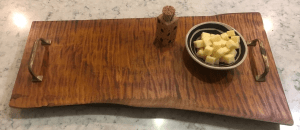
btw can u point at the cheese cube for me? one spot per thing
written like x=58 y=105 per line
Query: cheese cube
x=215 y=38
x=231 y=33
x=207 y=41
x=211 y=35
x=223 y=43
x=199 y=43
x=225 y=36
x=204 y=34
x=216 y=46
x=233 y=52
x=237 y=45
x=201 y=54
x=221 y=52
x=208 y=50
x=229 y=58
x=235 y=39
x=217 y=61
x=210 y=60
x=231 y=45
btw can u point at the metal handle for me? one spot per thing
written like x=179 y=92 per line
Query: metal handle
x=36 y=78
x=262 y=77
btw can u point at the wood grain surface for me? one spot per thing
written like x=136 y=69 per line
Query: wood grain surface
x=115 y=61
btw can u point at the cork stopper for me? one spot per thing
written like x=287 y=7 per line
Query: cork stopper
x=168 y=13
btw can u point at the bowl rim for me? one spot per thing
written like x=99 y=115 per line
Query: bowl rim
x=216 y=67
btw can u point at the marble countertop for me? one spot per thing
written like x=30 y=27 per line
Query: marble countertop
x=281 y=21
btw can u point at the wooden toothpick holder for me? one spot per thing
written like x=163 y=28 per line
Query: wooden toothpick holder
x=166 y=27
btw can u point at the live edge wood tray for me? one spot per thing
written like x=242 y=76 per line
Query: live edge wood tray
x=115 y=61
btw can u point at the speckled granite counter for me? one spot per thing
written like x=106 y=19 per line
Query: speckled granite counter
x=281 y=19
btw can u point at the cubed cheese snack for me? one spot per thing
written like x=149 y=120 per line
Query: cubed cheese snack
x=231 y=33
x=208 y=50
x=210 y=60
x=200 y=53
x=221 y=52
x=211 y=35
x=207 y=41
x=230 y=44
x=233 y=52
x=229 y=58
x=204 y=35
x=216 y=49
x=237 y=45
x=216 y=46
x=225 y=36
x=215 y=38
x=235 y=39
x=223 y=43
x=199 y=43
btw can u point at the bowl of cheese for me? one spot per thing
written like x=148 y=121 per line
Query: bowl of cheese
x=216 y=45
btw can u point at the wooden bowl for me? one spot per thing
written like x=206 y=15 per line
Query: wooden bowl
x=214 y=28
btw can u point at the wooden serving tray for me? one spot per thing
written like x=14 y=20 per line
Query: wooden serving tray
x=115 y=61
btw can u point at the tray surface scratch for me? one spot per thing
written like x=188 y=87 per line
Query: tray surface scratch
x=115 y=61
